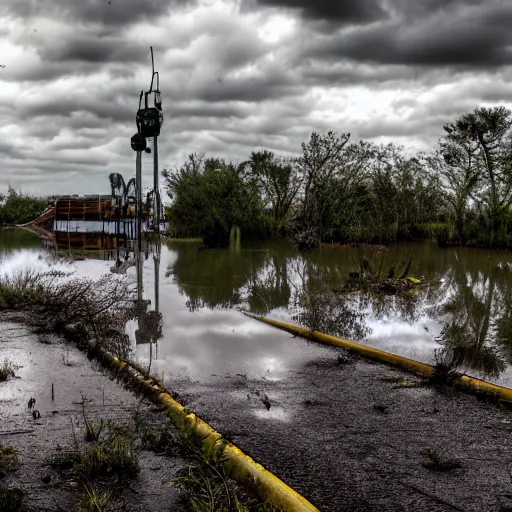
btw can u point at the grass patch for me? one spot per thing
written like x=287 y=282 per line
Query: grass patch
x=159 y=440
x=206 y=483
x=94 y=501
x=7 y=369
x=92 y=430
x=8 y=460
x=12 y=500
x=116 y=456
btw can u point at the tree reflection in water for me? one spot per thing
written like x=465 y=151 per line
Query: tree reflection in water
x=476 y=313
x=468 y=290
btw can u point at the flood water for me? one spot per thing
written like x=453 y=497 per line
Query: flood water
x=464 y=303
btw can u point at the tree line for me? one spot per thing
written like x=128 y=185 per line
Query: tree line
x=341 y=191
x=18 y=208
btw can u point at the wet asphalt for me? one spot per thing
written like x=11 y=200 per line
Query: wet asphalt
x=346 y=435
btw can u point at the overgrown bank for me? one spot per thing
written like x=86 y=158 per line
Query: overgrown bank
x=340 y=191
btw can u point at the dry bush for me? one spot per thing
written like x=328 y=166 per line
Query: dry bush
x=89 y=312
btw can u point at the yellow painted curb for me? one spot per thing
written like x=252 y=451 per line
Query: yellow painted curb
x=239 y=466
x=466 y=382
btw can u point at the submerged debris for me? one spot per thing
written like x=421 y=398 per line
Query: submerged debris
x=396 y=281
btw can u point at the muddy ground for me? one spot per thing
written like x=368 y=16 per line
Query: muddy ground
x=351 y=435
x=37 y=441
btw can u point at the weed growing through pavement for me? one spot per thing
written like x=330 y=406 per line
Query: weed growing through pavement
x=7 y=369
x=94 y=501
x=92 y=430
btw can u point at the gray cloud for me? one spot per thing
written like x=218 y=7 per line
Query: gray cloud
x=90 y=48
x=104 y=12
x=236 y=75
x=349 y=11
x=455 y=35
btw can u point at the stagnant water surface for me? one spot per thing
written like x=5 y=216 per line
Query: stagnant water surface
x=464 y=303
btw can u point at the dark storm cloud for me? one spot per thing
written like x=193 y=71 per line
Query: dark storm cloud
x=248 y=90
x=335 y=11
x=66 y=106
x=203 y=109
x=105 y=12
x=88 y=48
x=430 y=34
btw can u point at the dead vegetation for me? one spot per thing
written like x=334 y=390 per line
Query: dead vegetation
x=394 y=280
x=7 y=370
x=88 y=312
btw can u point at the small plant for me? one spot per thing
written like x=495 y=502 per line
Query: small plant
x=12 y=500
x=94 y=501
x=8 y=460
x=446 y=368
x=115 y=456
x=7 y=369
x=92 y=431
x=158 y=441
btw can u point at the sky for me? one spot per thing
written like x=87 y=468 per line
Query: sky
x=236 y=76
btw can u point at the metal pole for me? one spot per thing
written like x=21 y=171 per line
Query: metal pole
x=155 y=183
x=156 y=259
x=140 y=288
x=138 y=185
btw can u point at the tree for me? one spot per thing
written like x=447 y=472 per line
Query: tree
x=456 y=162
x=480 y=144
x=185 y=187
x=210 y=197
x=18 y=208
x=322 y=156
x=279 y=183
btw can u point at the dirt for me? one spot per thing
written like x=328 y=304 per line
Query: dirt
x=347 y=433
x=50 y=363
x=353 y=437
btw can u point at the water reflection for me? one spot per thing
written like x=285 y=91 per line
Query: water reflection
x=124 y=253
x=186 y=320
x=464 y=308
x=477 y=310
